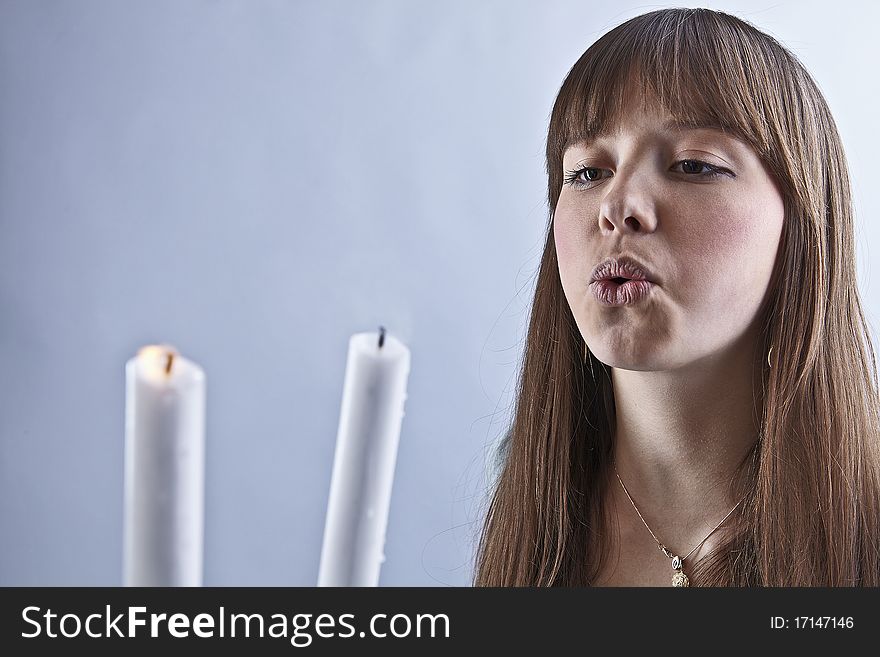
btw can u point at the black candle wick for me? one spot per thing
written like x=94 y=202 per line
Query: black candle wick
x=381 y=336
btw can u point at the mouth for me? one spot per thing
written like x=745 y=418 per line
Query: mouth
x=621 y=281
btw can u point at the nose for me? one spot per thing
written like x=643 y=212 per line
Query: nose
x=628 y=206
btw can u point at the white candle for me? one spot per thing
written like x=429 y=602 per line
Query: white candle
x=164 y=469
x=373 y=397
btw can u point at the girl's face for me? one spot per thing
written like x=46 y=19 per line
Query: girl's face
x=697 y=209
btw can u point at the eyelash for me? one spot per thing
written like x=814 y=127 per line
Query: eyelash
x=571 y=177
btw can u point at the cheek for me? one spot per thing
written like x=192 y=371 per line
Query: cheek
x=570 y=254
x=568 y=234
x=735 y=247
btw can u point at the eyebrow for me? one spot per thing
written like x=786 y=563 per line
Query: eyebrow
x=668 y=126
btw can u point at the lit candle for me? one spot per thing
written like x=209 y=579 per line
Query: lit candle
x=373 y=397
x=164 y=469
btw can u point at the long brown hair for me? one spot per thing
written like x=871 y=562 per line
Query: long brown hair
x=811 y=516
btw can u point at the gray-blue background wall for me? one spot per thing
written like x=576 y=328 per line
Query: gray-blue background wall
x=255 y=181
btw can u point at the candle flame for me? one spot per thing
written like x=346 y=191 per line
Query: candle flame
x=159 y=358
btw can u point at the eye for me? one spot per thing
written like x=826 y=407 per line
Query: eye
x=587 y=177
x=700 y=169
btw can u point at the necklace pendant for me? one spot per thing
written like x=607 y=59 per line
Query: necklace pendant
x=679 y=579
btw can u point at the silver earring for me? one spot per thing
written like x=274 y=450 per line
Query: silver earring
x=768 y=358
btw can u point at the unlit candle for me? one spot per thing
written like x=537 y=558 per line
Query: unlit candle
x=370 y=420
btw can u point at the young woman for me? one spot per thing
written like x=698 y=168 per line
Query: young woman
x=698 y=401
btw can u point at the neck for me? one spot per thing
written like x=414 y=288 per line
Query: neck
x=681 y=436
